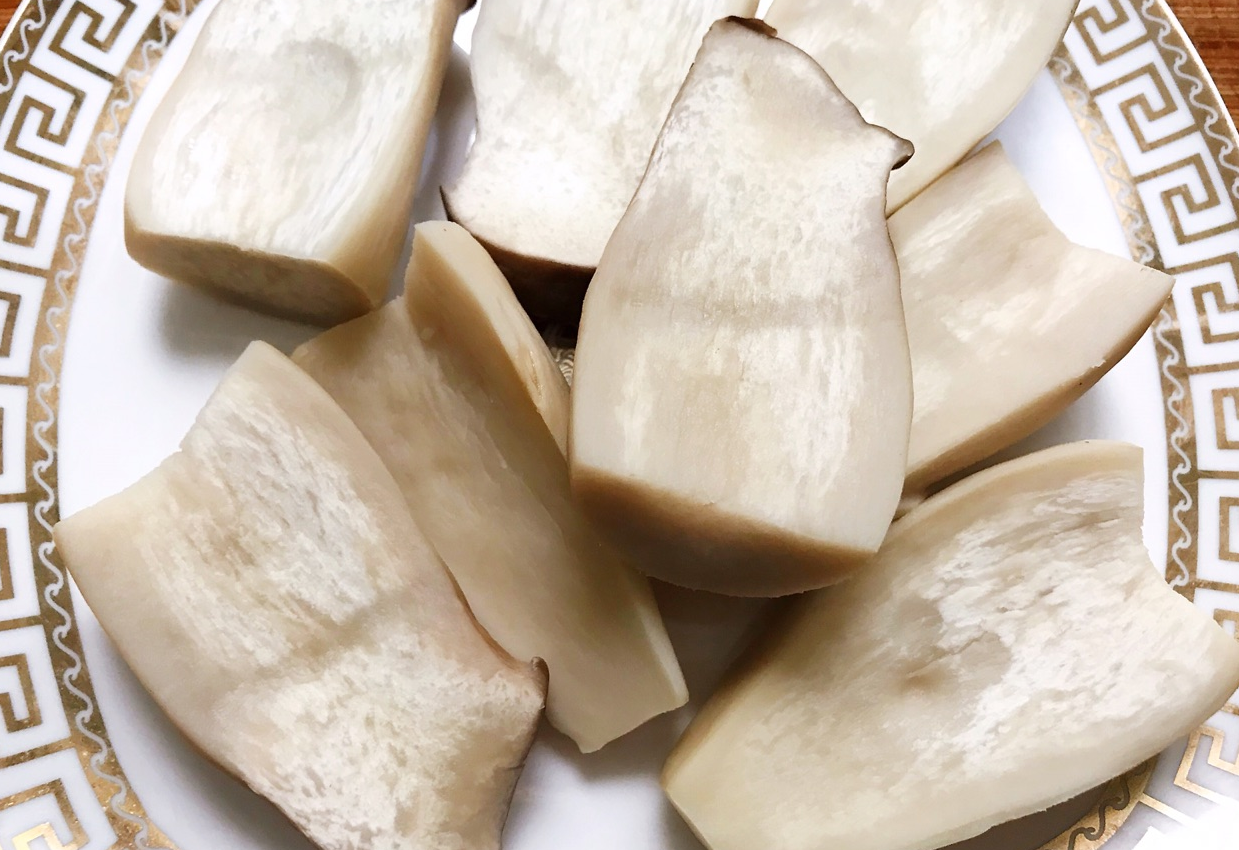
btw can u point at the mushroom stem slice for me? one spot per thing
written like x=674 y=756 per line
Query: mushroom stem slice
x=1009 y=648
x=335 y=669
x=454 y=387
x=280 y=168
x=570 y=97
x=940 y=73
x=1008 y=320
x=742 y=393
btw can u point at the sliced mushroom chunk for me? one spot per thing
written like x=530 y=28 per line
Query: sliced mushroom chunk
x=940 y=73
x=280 y=168
x=453 y=387
x=570 y=96
x=269 y=588
x=1008 y=320
x=742 y=391
x=1009 y=648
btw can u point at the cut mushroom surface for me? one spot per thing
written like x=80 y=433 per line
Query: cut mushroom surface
x=1009 y=648
x=742 y=391
x=280 y=168
x=571 y=96
x=269 y=588
x=442 y=385
x=1008 y=320
x=940 y=73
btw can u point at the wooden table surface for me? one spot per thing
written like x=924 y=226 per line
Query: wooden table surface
x=1214 y=28
x=1212 y=24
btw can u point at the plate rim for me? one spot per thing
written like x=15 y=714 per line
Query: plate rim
x=103 y=38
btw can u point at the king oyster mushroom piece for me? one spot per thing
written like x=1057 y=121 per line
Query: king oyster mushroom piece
x=1008 y=320
x=742 y=394
x=453 y=386
x=940 y=73
x=269 y=588
x=280 y=168
x=1009 y=648
x=570 y=98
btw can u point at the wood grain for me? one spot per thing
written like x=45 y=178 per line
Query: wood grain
x=1212 y=24
x=1214 y=28
x=7 y=8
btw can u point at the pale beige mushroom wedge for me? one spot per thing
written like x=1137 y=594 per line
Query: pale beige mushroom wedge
x=940 y=73
x=452 y=386
x=570 y=98
x=1008 y=320
x=280 y=168
x=742 y=391
x=269 y=588
x=1011 y=647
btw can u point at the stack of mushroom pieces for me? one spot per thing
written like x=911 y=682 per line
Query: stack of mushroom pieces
x=801 y=307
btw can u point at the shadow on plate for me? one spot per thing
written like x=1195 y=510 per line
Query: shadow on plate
x=1034 y=831
x=450 y=136
x=196 y=325
x=639 y=753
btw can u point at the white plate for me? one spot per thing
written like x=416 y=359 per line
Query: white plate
x=1124 y=140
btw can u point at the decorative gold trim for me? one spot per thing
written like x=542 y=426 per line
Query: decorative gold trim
x=1184 y=208
x=12 y=723
x=46 y=832
x=1213 y=758
x=1174 y=73
x=1118 y=799
x=33 y=27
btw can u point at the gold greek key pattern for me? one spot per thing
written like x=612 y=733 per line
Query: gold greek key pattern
x=48 y=801
x=70 y=73
x=28 y=693
x=1167 y=150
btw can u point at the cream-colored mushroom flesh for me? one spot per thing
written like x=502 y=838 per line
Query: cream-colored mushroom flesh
x=280 y=168
x=742 y=393
x=432 y=380
x=940 y=73
x=269 y=588
x=1010 y=647
x=570 y=98
x=1008 y=320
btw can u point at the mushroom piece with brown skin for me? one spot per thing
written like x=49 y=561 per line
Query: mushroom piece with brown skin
x=269 y=588
x=279 y=169
x=742 y=391
x=1009 y=648
x=570 y=98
